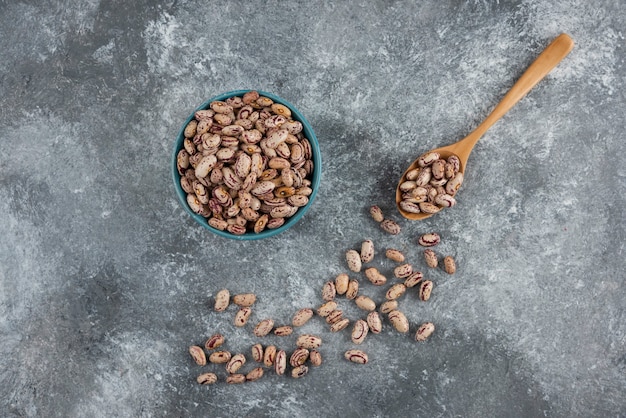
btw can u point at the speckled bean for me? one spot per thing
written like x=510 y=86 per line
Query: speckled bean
x=395 y=255
x=280 y=362
x=431 y=258
x=302 y=317
x=255 y=374
x=283 y=331
x=309 y=341
x=399 y=321
x=207 y=378
x=300 y=371
x=197 y=353
x=257 y=352
x=359 y=331
x=353 y=289
x=340 y=325
x=425 y=289
x=377 y=213
x=328 y=291
x=367 y=251
x=353 y=258
x=356 y=356
x=214 y=341
x=415 y=278
x=241 y=317
x=269 y=356
x=264 y=327
x=449 y=264
x=235 y=363
x=222 y=300
x=388 y=306
x=424 y=331
x=220 y=357
x=244 y=299
x=366 y=303
x=326 y=308
x=429 y=240
x=375 y=276
x=427 y=158
x=341 y=283
x=315 y=358
x=395 y=291
x=403 y=271
x=299 y=356
x=390 y=226
x=374 y=322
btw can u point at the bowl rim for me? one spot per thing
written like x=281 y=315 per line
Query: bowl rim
x=315 y=181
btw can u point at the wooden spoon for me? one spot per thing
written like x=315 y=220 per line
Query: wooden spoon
x=545 y=62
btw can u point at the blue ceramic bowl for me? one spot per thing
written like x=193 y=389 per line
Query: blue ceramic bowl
x=315 y=178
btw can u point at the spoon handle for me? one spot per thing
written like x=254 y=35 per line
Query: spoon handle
x=545 y=62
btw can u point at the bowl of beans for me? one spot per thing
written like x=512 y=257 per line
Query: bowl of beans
x=246 y=165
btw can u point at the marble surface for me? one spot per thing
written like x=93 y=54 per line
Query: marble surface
x=105 y=280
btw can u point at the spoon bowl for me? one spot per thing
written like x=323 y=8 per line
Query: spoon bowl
x=545 y=62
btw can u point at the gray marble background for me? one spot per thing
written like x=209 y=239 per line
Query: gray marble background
x=105 y=280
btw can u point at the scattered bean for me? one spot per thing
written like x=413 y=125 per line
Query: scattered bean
x=431 y=258
x=283 y=331
x=375 y=276
x=214 y=341
x=264 y=327
x=222 y=300
x=280 y=363
x=340 y=325
x=302 y=317
x=341 y=283
x=425 y=288
x=449 y=264
x=388 y=306
x=367 y=251
x=197 y=353
x=353 y=259
x=365 y=303
x=244 y=299
x=308 y=341
x=429 y=240
x=220 y=357
x=257 y=353
x=394 y=255
x=399 y=321
x=334 y=316
x=356 y=356
x=374 y=322
x=300 y=371
x=395 y=291
x=235 y=363
x=424 y=331
x=207 y=378
x=299 y=357
x=329 y=291
x=255 y=374
x=326 y=308
x=403 y=271
x=353 y=289
x=415 y=278
x=390 y=226
x=236 y=378
x=359 y=332
x=269 y=355
x=377 y=213
x=315 y=358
